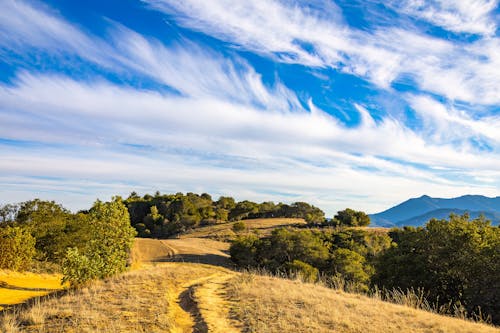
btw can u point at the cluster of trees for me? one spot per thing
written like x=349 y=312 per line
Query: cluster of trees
x=349 y=253
x=85 y=246
x=165 y=215
x=456 y=262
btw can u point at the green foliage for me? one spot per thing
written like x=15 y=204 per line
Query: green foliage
x=346 y=253
x=244 y=249
x=351 y=218
x=46 y=221
x=17 y=248
x=352 y=267
x=239 y=226
x=78 y=268
x=303 y=271
x=107 y=251
x=164 y=215
x=453 y=260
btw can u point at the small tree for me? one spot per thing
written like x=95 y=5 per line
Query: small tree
x=17 y=248
x=107 y=252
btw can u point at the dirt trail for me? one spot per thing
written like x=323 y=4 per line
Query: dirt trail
x=202 y=300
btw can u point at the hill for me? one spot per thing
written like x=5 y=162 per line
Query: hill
x=417 y=211
x=193 y=297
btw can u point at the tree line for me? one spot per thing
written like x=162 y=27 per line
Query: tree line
x=84 y=246
x=164 y=215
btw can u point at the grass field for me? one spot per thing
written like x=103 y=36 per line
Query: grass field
x=18 y=287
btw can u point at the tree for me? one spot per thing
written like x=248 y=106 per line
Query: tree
x=351 y=218
x=50 y=224
x=108 y=250
x=455 y=260
x=352 y=267
x=17 y=248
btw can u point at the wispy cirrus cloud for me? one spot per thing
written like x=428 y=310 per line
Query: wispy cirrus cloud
x=466 y=16
x=295 y=34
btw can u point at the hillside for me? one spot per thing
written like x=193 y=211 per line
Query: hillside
x=294 y=306
x=163 y=296
x=417 y=211
x=224 y=231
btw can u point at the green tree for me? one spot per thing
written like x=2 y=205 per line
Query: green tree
x=455 y=260
x=352 y=267
x=351 y=218
x=17 y=248
x=50 y=224
x=107 y=252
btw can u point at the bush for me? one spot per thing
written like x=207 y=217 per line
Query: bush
x=239 y=226
x=17 y=248
x=303 y=271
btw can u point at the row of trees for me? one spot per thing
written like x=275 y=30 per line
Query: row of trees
x=456 y=262
x=86 y=245
x=165 y=215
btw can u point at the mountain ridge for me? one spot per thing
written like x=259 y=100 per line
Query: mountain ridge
x=417 y=211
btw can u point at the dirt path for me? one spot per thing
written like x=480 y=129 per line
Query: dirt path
x=200 y=305
x=204 y=299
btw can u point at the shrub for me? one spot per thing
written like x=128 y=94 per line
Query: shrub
x=303 y=271
x=239 y=226
x=17 y=248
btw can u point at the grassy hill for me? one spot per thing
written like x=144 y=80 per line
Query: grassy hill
x=224 y=231
x=159 y=296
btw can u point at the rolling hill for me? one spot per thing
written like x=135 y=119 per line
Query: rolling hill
x=417 y=211
x=193 y=296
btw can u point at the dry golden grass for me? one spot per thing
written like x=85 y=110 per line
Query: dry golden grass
x=144 y=300
x=268 y=304
x=150 y=250
x=224 y=232
x=17 y=287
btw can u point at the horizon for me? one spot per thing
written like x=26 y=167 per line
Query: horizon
x=336 y=103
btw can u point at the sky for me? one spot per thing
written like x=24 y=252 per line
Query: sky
x=345 y=103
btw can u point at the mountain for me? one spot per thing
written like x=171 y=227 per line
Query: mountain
x=418 y=211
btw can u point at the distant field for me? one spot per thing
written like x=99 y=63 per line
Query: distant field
x=18 y=287
x=224 y=231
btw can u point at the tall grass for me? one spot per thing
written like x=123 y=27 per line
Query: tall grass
x=415 y=298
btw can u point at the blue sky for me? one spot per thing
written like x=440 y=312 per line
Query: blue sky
x=358 y=104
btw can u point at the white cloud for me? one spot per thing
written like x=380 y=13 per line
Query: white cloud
x=469 y=16
x=227 y=131
x=467 y=72
x=306 y=154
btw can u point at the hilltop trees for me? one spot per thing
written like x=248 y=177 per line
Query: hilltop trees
x=165 y=215
x=351 y=218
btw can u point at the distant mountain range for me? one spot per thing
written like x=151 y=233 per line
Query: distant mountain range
x=417 y=211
